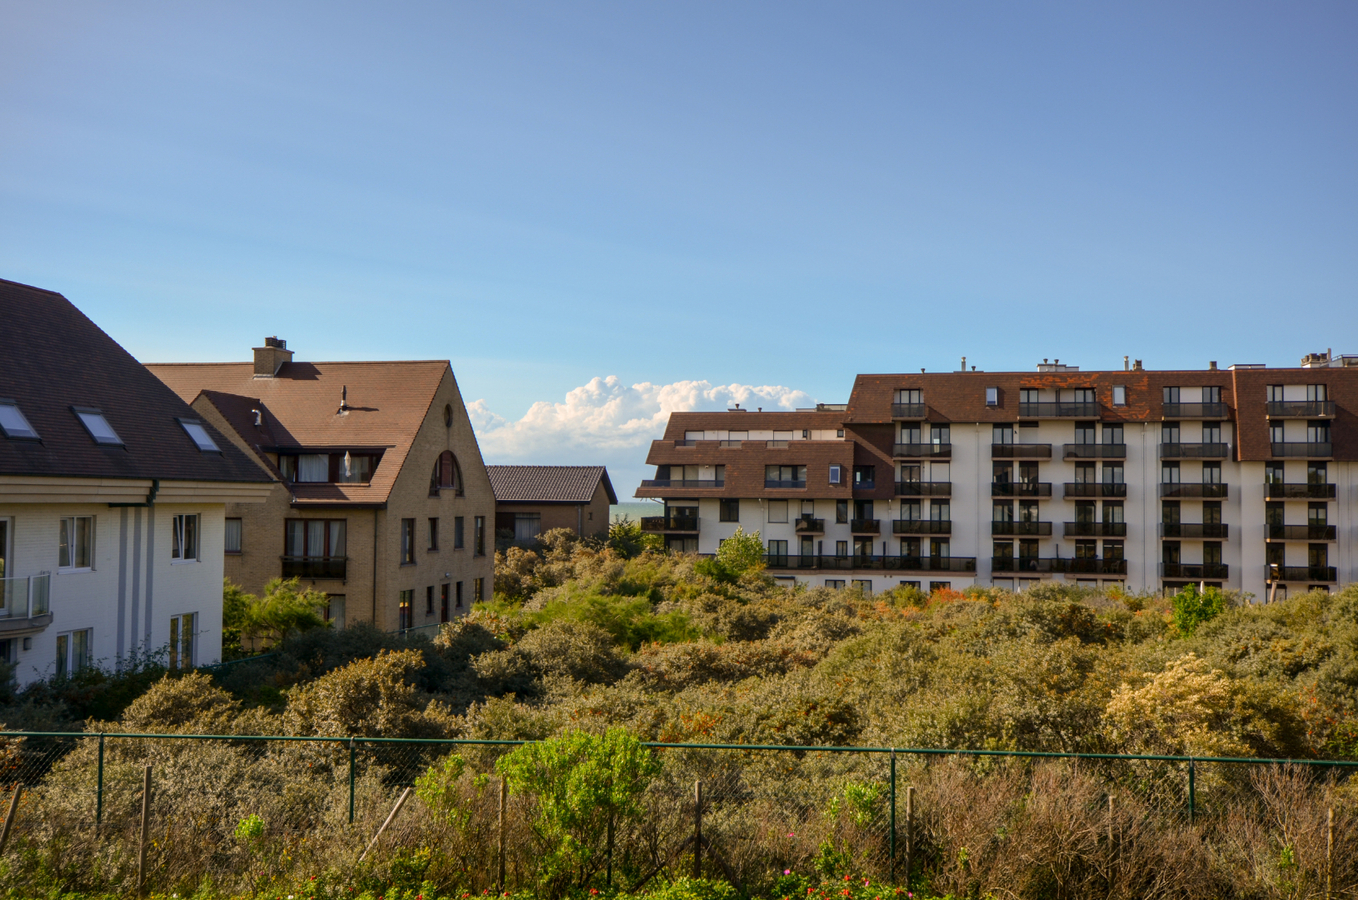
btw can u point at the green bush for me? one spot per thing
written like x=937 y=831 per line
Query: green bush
x=1192 y=608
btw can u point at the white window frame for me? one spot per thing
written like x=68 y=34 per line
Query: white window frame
x=19 y=428
x=183 y=641
x=1119 y=395
x=179 y=531
x=73 y=529
x=836 y=474
x=98 y=426
x=198 y=434
x=992 y=396
x=67 y=661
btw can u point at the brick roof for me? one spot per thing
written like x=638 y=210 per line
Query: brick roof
x=548 y=484
x=53 y=358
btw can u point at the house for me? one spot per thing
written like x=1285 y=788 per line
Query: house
x=532 y=499
x=379 y=498
x=1244 y=478
x=113 y=497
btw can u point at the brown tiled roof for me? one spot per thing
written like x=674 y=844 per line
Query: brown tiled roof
x=52 y=357
x=387 y=402
x=548 y=484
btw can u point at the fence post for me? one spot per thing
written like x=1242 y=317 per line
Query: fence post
x=99 y=788
x=893 y=816
x=9 y=819
x=1329 y=855
x=351 y=781
x=145 y=824
x=500 y=850
x=909 y=832
x=698 y=829
x=1112 y=845
x=1192 y=801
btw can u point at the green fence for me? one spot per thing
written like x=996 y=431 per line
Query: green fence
x=250 y=812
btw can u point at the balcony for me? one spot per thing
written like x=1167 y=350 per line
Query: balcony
x=1299 y=491
x=810 y=526
x=1095 y=529
x=1299 y=533
x=730 y=445
x=866 y=485
x=1194 y=451
x=924 y=489
x=1033 y=529
x=1194 y=410
x=1195 y=530
x=1058 y=409
x=670 y=524
x=918 y=451
x=1096 y=451
x=25 y=604
x=776 y=483
x=1301 y=409
x=1302 y=449
x=1021 y=451
x=1187 y=491
x=907 y=410
x=865 y=526
x=1055 y=565
x=888 y=563
x=315 y=566
x=1313 y=574
x=696 y=483
x=921 y=526
x=1214 y=571
x=1094 y=489
x=1020 y=489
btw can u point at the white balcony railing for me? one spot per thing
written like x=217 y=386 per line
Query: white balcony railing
x=25 y=597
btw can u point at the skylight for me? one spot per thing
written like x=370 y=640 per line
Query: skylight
x=97 y=426
x=200 y=436
x=13 y=423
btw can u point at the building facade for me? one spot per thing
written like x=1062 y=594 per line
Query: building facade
x=532 y=499
x=1244 y=478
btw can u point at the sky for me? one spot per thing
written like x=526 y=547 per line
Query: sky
x=601 y=213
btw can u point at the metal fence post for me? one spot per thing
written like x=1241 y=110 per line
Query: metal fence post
x=893 y=815
x=351 y=781
x=500 y=830
x=99 y=788
x=697 y=829
x=1192 y=800
x=909 y=832
x=145 y=826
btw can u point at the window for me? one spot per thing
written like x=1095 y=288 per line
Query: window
x=307 y=468
x=447 y=475
x=1317 y=432
x=13 y=423
x=1112 y=434
x=76 y=543
x=1169 y=473
x=841 y=511
x=1211 y=512
x=1002 y=550
x=479 y=535
x=527 y=526
x=777 y=510
x=1273 y=513
x=834 y=583
x=1003 y=472
x=936 y=586
x=1169 y=512
x=1002 y=511
x=355 y=469
x=198 y=434
x=940 y=511
x=1002 y=434
x=909 y=510
x=1211 y=553
x=407 y=541
x=429 y=600
x=778 y=551
x=940 y=434
x=73 y=651
x=1317 y=514
x=1275 y=393
x=405 y=610
x=233 y=536
x=97 y=426
x=1315 y=393
x=1119 y=395
x=992 y=396
x=1084 y=473
x=457 y=533
x=1084 y=432
x=1113 y=473
x=314 y=538
x=864 y=585
x=433 y=533
x=1316 y=473
x=181 y=641
x=1276 y=433
x=184 y=539
x=785 y=476
x=839 y=432
x=1273 y=473
x=842 y=549
x=864 y=476
x=1211 y=432
x=478 y=590
x=457 y=594
x=1113 y=551
x=835 y=474
x=1083 y=395
x=443 y=603
x=1112 y=513
x=1171 y=394
x=1211 y=473
x=334 y=610
x=728 y=511
x=1211 y=394
x=1169 y=433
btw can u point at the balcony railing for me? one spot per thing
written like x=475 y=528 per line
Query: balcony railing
x=865 y=485
x=907 y=410
x=810 y=526
x=1195 y=570
x=672 y=523
x=1192 y=491
x=1095 y=529
x=865 y=526
x=1302 y=449
x=1094 y=489
x=924 y=489
x=315 y=566
x=698 y=483
x=1299 y=532
x=1021 y=528
x=730 y=445
x=1194 y=410
x=1021 y=451
x=1062 y=409
x=777 y=483
x=1020 y=489
x=24 y=599
x=1195 y=530
x=1194 y=451
x=1045 y=565
x=1313 y=574
x=1299 y=491
x=913 y=451
x=1096 y=451
x=921 y=526
x=1301 y=409
x=889 y=563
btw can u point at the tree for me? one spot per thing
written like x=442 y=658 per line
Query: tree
x=741 y=552
x=626 y=538
x=1192 y=608
x=285 y=607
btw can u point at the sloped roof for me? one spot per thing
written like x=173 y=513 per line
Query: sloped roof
x=53 y=358
x=548 y=484
x=300 y=410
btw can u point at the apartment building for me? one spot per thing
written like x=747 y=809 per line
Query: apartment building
x=113 y=495
x=379 y=495
x=1245 y=478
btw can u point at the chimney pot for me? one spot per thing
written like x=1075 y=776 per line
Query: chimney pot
x=270 y=358
x=1212 y=365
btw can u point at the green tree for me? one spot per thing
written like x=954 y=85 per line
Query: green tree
x=741 y=552
x=236 y=604
x=626 y=538
x=1192 y=608
x=286 y=607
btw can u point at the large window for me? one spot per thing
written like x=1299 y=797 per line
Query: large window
x=322 y=468
x=181 y=641
x=74 y=651
x=447 y=475
x=184 y=539
x=315 y=538
x=233 y=536
x=527 y=526
x=728 y=511
x=76 y=543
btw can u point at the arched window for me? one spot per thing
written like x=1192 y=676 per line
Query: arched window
x=447 y=475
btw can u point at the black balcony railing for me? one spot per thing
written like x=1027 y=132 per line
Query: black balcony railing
x=1299 y=491
x=1096 y=451
x=1020 y=489
x=683 y=483
x=1313 y=574
x=1044 y=565
x=924 y=489
x=865 y=485
x=865 y=526
x=861 y=562
x=1195 y=530
x=315 y=566
x=777 y=483
x=1193 y=491
x=810 y=526
x=1095 y=529
x=1194 y=410
x=1021 y=528
x=1302 y=449
x=921 y=526
x=907 y=410
x=671 y=523
x=1194 y=451
x=913 y=451
x=1021 y=451
x=1063 y=409
x=1299 y=532
x=1300 y=409
x=1195 y=570
x=1095 y=489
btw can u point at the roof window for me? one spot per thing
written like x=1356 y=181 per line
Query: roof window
x=195 y=430
x=97 y=426
x=13 y=423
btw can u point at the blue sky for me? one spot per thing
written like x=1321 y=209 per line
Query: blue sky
x=722 y=195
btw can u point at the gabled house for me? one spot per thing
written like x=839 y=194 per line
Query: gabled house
x=532 y=499
x=113 y=494
x=380 y=498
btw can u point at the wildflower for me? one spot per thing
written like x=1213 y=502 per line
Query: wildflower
x=787 y=871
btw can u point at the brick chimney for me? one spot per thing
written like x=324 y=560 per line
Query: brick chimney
x=270 y=358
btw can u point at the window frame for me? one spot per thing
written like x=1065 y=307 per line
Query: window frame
x=28 y=434
x=226 y=536
x=86 y=414
x=183 y=527
x=479 y=535
x=459 y=532
x=72 y=554
x=66 y=663
x=189 y=425
x=182 y=643
x=433 y=534
x=407 y=542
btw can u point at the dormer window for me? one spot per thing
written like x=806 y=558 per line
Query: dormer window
x=198 y=433
x=97 y=426
x=349 y=467
x=13 y=423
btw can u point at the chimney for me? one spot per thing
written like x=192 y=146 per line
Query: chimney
x=1212 y=366
x=1126 y=364
x=1136 y=365
x=270 y=358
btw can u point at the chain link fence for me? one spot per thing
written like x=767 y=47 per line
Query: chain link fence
x=251 y=814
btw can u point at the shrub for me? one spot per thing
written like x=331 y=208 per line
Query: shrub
x=1192 y=608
